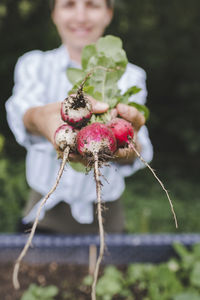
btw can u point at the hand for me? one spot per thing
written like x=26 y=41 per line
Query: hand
x=126 y=156
x=131 y=114
x=43 y=120
x=97 y=106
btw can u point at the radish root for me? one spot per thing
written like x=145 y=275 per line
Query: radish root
x=100 y=220
x=30 y=238
x=133 y=146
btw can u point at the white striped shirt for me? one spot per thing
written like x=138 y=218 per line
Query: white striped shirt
x=40 y=78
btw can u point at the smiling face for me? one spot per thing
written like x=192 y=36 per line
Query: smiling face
x=80 y=22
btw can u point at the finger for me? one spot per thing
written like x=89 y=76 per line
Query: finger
x=125 y=154
x=113 y=113
x=97 y=106
x=131 y=114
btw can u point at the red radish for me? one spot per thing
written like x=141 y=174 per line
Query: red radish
x=96 y=138
x=65 y=136
x=76 y=110
x=122 y=130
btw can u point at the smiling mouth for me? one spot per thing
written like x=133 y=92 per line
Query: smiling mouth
x=81 y=31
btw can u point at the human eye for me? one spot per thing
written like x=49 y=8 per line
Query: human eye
x=68 y=3
x=94 y=3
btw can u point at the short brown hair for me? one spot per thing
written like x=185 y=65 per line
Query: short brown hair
x=109 y=3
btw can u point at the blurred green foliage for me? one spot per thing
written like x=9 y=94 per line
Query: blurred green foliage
x=163 y=38
x=36 y=292
x=13 y=192
x=177 y=279
x=147 y=208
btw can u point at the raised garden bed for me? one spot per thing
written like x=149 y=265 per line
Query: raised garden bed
x=63 y=260
x=121 y=249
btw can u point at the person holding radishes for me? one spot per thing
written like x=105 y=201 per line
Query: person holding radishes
x=33 y=113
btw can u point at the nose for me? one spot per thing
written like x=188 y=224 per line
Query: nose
x=81 y=12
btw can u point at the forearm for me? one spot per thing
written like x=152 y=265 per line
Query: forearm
x=43 y=120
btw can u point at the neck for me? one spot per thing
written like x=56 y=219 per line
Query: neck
x=74 y=54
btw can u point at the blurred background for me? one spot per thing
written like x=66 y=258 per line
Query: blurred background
x=163 y=38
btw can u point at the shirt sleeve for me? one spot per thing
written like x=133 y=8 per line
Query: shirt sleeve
x=28 y=92
x=137 y=76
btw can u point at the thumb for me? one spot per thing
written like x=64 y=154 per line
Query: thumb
x=131 y=114
x=97 y=106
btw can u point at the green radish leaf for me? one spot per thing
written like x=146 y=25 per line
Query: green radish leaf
x=123 y=99
x=88 y=52
x=142 y=108
x=75 y=75
x=132 y=91
x=105 y=83
x=92 y=63
x=79 y=167
x=97 y=96
x=106 y=62
x=109 y=45
x=88 y=89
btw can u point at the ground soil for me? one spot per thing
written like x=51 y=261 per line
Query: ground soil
x=67 y=278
